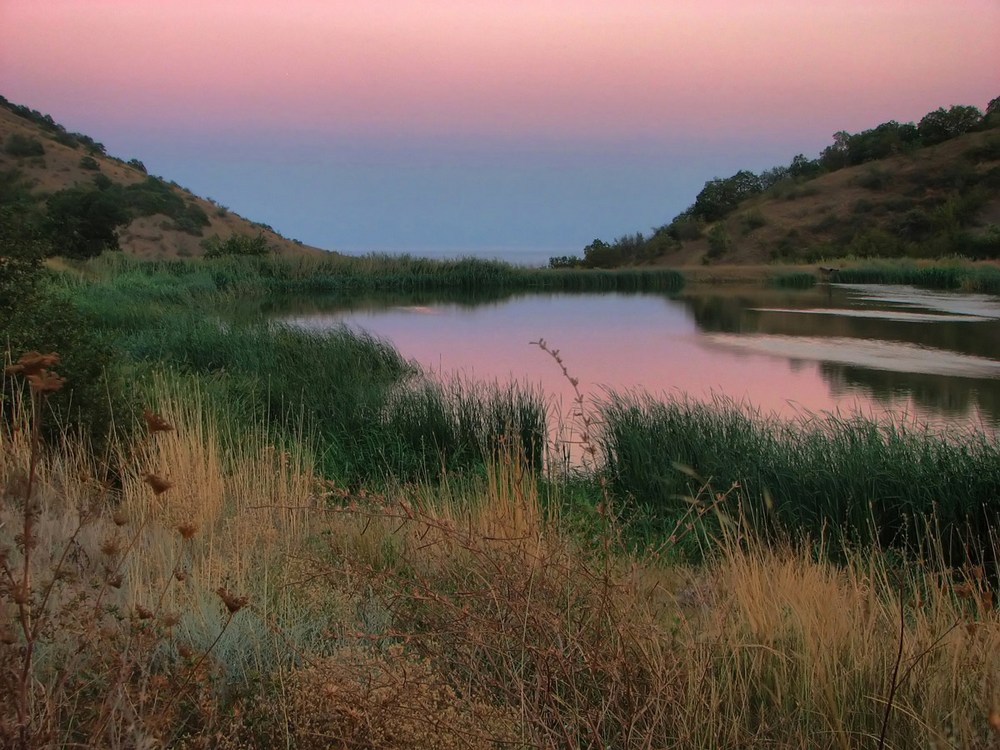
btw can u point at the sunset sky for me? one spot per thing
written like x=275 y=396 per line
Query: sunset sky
x=524 y=127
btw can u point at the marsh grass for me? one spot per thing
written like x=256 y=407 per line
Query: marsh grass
x=345 y=274
x=971 y=278
x=793 y=280
x=865 y=479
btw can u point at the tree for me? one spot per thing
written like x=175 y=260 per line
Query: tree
x=720 y=196
x=599 y=254
x=803 y=167
x=992 y=116
x=83 y=223
x=944 y=124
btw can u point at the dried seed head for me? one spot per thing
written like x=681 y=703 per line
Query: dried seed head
x=159 y=484
x=111 y=546
x=7 y=635
x=169 y=619
x=119 y=518
x=964 y=590
x=142 y=612
x=187 y=530
x=155 y=423
x=233 y=603
x=115 y=580
x=181 y=575
x=45 y=381
x=31 y=363
x=185 y=650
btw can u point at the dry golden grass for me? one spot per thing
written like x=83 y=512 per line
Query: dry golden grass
x=259 y=606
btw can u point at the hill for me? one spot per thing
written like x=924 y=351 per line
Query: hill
x=39 y=158
x=926 y=190
x=933 y=202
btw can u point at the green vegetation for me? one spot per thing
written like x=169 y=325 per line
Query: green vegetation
x=970 y=278
x=236 y=244
x=793 y=280
x=23 y=145
x=848 y=478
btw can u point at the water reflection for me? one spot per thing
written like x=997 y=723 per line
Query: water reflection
x=873 y=349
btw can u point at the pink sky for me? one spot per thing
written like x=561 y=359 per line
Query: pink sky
x=522 y=66
x=677 y=91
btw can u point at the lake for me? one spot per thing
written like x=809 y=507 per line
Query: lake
x=922 y=355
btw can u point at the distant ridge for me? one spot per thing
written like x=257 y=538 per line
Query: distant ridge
x=39 y=157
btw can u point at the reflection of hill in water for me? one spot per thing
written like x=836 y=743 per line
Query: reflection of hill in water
x=957 y=398
x=736 y=314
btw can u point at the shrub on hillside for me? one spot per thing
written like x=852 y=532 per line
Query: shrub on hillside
x=83 y=222
x=236 y=244
x=719 y=242
x=23 y=145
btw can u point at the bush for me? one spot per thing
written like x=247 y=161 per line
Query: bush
x=236 y=244
x=873 y=179
x=191 y=219
x=718 y=242
x=44 y=320
x=23 y=145
x=565 y=261
x=89 y=162
x=753 y=219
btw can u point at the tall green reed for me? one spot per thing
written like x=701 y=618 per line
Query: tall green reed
x=861 y=478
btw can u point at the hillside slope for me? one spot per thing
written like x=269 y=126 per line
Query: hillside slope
x=936 y=201
x=44 y=160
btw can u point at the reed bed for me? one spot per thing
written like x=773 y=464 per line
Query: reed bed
x=793 y=280
x=260 y=605
x=971 y=278
x=866 y=479
x=345 y=274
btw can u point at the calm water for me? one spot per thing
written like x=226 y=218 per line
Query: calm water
x=931 y=356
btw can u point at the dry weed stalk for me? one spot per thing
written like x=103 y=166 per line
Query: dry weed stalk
x=100 y=673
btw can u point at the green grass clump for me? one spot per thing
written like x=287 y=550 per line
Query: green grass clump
x=868 y=480
x=793 y=280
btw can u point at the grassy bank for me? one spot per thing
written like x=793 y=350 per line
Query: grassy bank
x=225 y=593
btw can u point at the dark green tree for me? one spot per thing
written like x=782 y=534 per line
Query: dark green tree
x=720 y=196
x=83 y=223
x=944 y=124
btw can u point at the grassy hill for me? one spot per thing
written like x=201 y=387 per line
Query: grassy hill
x=38 y=158
x=928 y=190
x=935 y=201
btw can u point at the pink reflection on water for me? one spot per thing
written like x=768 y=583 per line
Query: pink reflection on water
x=618 y=342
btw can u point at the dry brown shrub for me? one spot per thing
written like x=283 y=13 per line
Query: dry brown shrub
x=388 y=700
x=508 y=606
